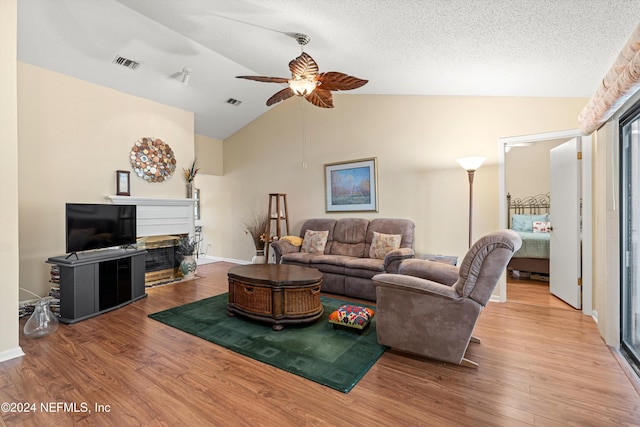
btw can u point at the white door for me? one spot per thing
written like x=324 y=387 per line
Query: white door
x=565 y=260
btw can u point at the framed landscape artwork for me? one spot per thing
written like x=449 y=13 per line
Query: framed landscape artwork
x=352 y=186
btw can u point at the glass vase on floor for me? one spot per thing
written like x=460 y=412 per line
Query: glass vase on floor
x=42 y=322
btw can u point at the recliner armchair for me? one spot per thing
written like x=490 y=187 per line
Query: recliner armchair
x=430 y=309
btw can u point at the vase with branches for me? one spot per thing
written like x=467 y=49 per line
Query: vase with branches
x=189 y=175
x=257 y=227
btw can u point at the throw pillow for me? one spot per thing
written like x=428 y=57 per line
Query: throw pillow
x=314 y=242
x=294 y=240
x=520 y=222
x=541 y=226
x=382 y=244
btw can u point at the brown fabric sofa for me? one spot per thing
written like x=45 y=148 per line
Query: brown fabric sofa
x=345 y=264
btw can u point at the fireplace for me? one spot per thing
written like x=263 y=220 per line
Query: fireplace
x=160 y=224
x=161 y=260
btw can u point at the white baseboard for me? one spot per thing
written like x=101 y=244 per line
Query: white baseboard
x=11 y=354
x=594 y=315
x=210 y=258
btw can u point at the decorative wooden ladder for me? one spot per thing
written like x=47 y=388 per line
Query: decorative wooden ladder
x=279 y=202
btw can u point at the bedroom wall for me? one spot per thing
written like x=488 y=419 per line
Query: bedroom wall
x=73 y=136
x=527 y=169
x=416 y=140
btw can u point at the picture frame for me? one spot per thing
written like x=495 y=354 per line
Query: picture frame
x=352 y=186
x=123 y=183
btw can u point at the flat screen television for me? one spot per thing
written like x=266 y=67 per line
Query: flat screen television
x=98 y=226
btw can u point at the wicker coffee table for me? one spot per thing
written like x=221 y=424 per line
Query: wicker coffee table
x=275 y=293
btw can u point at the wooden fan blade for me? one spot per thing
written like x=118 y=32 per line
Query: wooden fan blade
x=320 y=98
x=339 y=81
x=265 y=79
x=304 y=66
x=280 y=96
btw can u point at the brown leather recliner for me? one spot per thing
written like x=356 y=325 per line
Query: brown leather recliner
x=430 y=309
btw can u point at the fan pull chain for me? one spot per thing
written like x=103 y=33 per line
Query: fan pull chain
x=304 y=135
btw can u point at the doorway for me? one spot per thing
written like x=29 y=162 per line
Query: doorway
x=524 y=289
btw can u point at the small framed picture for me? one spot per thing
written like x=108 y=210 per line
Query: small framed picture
x=352 y=186
x=122 y=183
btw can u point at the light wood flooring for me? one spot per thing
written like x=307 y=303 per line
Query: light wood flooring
x=539 y=366
x=533 y=292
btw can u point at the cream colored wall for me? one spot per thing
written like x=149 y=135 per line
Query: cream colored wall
x=73 y=136
x=209 y=155
x=527 y=169
x=9 y=239
x=212 y=195
x=416 y=140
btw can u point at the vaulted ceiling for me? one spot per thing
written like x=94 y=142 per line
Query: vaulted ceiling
x=547 y=48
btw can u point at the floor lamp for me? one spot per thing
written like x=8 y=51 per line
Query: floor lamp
x=471 y=164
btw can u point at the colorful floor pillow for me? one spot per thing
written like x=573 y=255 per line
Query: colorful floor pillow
x=353 y=316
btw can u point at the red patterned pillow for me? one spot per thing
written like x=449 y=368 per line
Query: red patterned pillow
x=353 y=316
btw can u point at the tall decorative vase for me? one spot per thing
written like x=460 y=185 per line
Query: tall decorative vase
x=42 y=322
x=188 y=267
x=189 y=190
x=258 y=258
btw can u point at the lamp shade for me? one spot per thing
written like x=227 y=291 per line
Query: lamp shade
x=471 y=163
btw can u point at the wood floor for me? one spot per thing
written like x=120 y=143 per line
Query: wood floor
x=533 y=292
x=539 y=366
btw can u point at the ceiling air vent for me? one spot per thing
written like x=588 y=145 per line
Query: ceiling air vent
x=233 y=102
x=129 y=63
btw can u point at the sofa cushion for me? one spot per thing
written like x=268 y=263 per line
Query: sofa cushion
x=364 y=267
x=329 y=263
x=300 y=258
x=404 y=227
x=349 y=237
x=382 y=244
x=314 y=241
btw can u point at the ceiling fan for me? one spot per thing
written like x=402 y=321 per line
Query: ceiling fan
x=307 y=81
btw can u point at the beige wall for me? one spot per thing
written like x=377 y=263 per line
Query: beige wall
x=606 y=237
x=73 y=136
x=416 y=140
x=9 y=240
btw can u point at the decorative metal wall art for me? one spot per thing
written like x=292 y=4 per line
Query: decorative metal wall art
x=152 y=159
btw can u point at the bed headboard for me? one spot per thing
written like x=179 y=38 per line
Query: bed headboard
x=530 y=205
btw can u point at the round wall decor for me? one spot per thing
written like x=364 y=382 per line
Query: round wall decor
x=152 y=159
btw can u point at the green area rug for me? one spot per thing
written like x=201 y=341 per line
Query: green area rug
x=335 y=358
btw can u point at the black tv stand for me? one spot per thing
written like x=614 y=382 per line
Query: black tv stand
x=96 y=282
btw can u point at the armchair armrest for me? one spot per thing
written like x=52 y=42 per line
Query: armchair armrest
x=393 y=259
x=430 y=270
x=281 y=247
x=415 y=284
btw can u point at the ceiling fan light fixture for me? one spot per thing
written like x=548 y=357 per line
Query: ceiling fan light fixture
x=302 y=87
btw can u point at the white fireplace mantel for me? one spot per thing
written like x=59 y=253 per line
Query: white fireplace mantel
x=156 y=217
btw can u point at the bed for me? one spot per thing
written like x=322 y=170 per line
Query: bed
x=529 y=217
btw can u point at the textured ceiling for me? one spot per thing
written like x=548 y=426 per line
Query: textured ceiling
x=550 y=48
